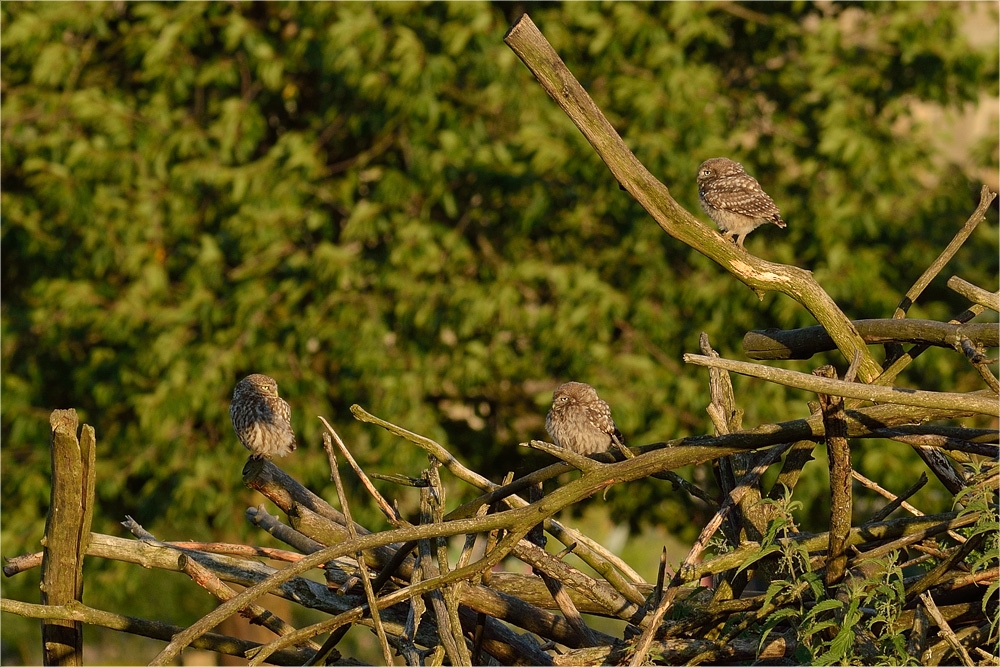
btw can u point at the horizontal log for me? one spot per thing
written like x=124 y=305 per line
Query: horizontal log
x=772 y=344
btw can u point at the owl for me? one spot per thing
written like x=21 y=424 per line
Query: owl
x=734 y=199
x=261 y=418
x=580 y=421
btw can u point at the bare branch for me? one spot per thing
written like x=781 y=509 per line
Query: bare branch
x=986 y=197
x=975 y=294
x=210 y=641
x=945 y=629
x=974 y=402
x=839 y=457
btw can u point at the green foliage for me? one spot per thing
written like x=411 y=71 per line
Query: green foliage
x=376 y=204
x=852 y=624
x=794 y=559
x=862 y=618
x=982 y=497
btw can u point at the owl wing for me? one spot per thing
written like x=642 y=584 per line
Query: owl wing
x=742 y=194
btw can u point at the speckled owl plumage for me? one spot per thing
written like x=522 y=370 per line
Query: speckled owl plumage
x=262 y=419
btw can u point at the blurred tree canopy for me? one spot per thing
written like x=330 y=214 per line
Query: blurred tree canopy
x=377 y=204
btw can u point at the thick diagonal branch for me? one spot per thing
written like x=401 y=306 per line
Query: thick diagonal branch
x=534 y=50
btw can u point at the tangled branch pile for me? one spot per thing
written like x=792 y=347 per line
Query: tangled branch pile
x=920 y=588
x=839 y=596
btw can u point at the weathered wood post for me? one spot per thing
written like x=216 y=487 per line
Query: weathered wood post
x=67 y=531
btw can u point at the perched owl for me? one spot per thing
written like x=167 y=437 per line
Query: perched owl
x=734 y=199
x=580 y=421
x=261 y=418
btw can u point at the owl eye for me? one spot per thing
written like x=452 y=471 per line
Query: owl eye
x=706 y=172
